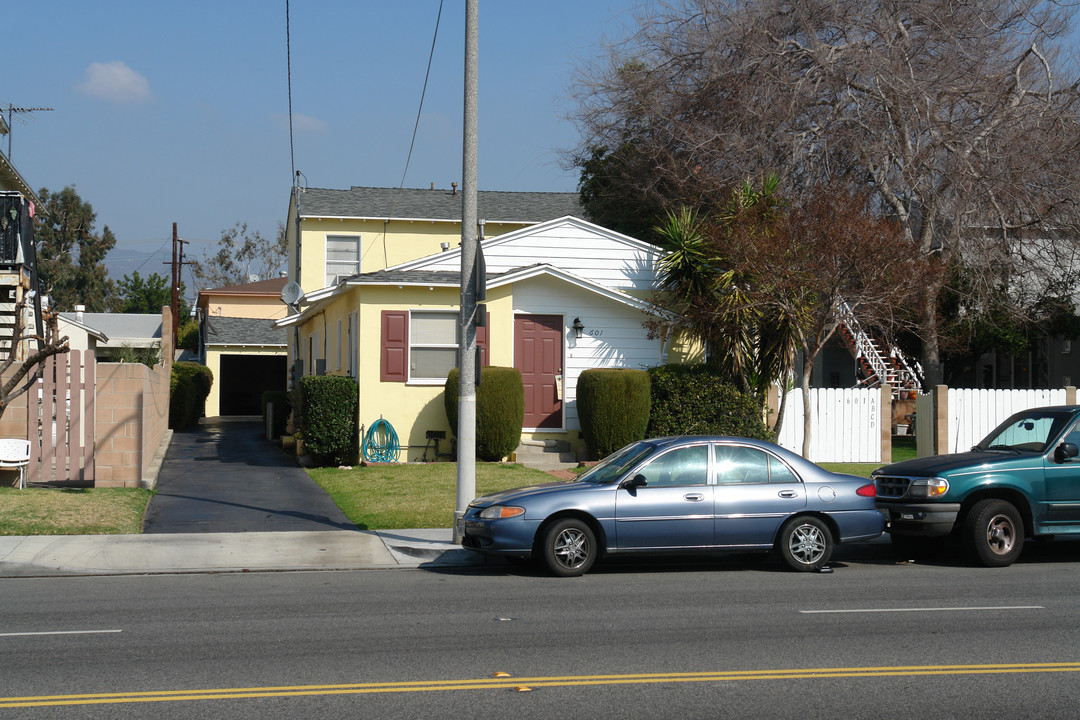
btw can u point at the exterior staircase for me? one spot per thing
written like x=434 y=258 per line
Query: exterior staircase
x=876 y=366
x=545 y=455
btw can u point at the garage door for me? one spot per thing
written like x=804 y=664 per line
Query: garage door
x=244 y=378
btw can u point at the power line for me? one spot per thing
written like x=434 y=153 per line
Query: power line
x=419 y=111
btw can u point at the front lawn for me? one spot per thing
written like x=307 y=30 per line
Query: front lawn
x=72 y=511
x=386 y=497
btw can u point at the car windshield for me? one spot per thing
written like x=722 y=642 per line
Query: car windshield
x=614 y=465
x=1029 y=431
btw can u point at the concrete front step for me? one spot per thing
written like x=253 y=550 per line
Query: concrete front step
x=545 y=454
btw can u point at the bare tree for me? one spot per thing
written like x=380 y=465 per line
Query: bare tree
x=958 y=119
x=28 y=370
x=240 y=255
x=828 y=261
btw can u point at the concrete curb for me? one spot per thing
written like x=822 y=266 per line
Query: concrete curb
x=65 y=555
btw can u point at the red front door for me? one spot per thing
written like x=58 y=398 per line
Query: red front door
x=538 y=354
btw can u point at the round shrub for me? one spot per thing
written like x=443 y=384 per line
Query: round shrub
x=613 y=406
x=500 y=410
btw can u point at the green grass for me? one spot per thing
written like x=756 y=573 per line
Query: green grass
x=72 y=511
x=385 y=497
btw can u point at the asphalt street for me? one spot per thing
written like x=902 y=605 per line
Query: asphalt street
x=731 y=637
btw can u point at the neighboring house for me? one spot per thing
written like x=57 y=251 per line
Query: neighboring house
x=363 y=229
x=394 y=329
x=240 y=344
x=80 y=335
x=115 y=337
x=18 y=203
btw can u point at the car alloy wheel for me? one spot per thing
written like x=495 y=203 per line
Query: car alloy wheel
x=805 y=544
x=569 y=547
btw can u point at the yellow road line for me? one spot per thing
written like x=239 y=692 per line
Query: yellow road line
x=513 y=683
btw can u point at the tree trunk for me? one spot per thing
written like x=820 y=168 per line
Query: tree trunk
x=804 y=382
x=933 y=372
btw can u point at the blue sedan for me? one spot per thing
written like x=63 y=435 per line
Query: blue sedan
x=679 y=495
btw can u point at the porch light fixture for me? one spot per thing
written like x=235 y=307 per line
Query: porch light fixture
x=579 y=328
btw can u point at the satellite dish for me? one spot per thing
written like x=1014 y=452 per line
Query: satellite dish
x=291 y=294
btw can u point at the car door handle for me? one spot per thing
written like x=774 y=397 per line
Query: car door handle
x=693 y=497
x=788 y=494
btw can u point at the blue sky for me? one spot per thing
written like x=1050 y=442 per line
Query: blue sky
x=178 y=112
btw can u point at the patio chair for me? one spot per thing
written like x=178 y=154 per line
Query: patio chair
x=15 y=453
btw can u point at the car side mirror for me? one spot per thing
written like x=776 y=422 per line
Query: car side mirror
x=1064 y=451
x=635 y=482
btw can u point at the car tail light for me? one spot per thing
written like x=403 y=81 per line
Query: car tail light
x=866 y=491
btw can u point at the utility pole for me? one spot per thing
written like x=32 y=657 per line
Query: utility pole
x=177 y=270
x=175 y=305
x=467 y=363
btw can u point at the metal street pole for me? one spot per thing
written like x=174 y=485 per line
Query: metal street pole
x=466 y=430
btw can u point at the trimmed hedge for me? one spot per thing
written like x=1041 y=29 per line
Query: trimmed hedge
x=693 y=400
x=500 y=410
x=328 y=419
x=189 y=386
x=613 y=406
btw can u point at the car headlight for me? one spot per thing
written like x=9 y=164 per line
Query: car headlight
x=928 y=487
x=501 y=511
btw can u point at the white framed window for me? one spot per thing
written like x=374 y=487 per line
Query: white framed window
x=433 y=345
x=342 y=257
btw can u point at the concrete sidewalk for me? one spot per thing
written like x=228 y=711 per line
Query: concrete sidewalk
x=65 y=555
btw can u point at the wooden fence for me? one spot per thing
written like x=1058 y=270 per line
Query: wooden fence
x=61 y=423
x=845 y=424
x=952 y=420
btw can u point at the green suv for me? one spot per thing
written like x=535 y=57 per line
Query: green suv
x=1022 y=480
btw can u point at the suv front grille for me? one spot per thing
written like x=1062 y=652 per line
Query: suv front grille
x=890 y=486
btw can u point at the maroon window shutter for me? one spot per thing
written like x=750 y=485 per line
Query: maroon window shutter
x=482 y=342
x=395 y=346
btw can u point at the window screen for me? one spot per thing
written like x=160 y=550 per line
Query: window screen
x=432 y=345
x=342 y=257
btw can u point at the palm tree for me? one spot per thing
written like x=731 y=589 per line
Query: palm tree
x=753 y=344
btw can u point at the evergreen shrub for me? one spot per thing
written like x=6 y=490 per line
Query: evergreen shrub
x=613 y=407
x=328 y=419
x=500 y=410
x=189 y=385
x=693 y=400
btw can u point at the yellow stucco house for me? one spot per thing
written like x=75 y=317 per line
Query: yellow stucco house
x=240 y=344
x=563 y=295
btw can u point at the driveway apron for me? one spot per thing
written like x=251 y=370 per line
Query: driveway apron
x=225 y=476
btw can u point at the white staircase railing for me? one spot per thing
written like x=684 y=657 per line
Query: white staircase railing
x=893 y=370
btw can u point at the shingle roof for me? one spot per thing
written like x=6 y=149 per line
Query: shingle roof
x=438 y=204
x=272 y=286
x=243 y=331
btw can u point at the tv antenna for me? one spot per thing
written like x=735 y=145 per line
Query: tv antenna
x=11 y=110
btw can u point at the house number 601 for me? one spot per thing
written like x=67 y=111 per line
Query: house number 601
x=595 y=333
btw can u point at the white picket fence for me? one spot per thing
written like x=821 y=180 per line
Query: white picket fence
x=972 y=414
x=845 y=424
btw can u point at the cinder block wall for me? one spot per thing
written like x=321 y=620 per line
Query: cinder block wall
x=132 y=418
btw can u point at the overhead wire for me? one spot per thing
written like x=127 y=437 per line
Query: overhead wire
x=416 y=126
